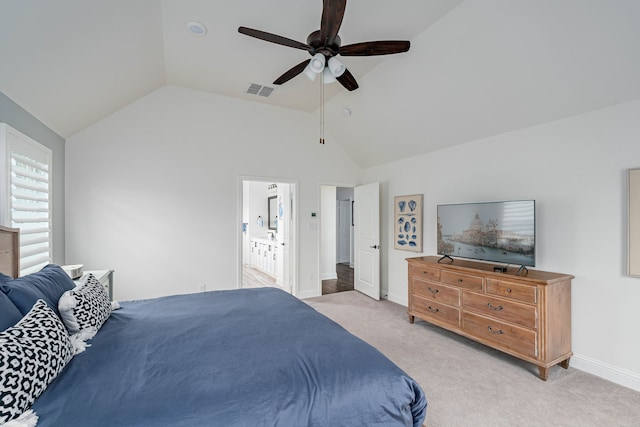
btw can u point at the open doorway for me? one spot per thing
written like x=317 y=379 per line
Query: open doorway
x=268 y=234
x=336 y=240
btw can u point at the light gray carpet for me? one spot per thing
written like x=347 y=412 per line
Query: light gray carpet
x=468 y=384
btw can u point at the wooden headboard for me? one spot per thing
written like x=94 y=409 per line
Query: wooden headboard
x=10 y=251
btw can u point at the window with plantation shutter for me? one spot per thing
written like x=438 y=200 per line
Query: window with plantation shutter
x=26 y=196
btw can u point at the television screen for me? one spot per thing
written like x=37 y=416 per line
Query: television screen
x=493 y=231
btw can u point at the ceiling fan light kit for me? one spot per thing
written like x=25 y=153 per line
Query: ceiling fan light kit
x=325 y=44
x=317 y=63
x=330 y=70
x=327 y=77
x=309 y=73
x=336 y=67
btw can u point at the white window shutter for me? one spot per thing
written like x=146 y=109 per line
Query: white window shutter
x=26 y=196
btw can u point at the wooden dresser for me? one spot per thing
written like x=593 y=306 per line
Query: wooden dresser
x=526 y=316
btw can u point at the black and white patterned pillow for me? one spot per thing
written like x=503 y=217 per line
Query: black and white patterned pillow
x=32 y=354
x=85 y=307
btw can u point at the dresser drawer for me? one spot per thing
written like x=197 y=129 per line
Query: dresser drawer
x=424 y=272
x=515 y=338
x=512 y=290
x=466 y=281
x=510 y=311
x=436 y=311
x=435 y=292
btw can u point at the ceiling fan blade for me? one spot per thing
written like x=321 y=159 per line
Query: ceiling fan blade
x=386 y=47
x=292 y=72
x=348 y=81
x=262 y=35
x=332 y=14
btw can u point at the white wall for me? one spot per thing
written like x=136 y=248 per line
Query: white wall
x=152 y=190
x=575 y=169
x=132 y=205
x=258 y=208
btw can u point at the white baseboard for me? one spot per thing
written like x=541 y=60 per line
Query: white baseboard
x=329 y=276
x=307 y=294
x=608 y=372
x=403 y=299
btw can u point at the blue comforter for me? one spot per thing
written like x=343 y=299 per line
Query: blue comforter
x=251 y=357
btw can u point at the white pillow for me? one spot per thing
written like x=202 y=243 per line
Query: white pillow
x=32 y=354
x=85 y=308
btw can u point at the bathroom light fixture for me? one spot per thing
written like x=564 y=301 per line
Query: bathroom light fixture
x=196 y=28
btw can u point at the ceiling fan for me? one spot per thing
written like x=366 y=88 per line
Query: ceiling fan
x=324 y=45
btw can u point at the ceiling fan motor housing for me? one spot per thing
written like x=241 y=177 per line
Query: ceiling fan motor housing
x=318 y=45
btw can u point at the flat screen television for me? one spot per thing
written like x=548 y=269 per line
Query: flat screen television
x=503 y=232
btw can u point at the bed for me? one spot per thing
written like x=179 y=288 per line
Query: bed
x=247 y=357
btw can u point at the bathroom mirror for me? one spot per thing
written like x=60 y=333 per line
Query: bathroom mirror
x=273 y=212
x=634 y=223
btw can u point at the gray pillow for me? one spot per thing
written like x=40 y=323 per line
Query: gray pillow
x=9 y=313
x=47 y=284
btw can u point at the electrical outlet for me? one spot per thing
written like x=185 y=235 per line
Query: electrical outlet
x=202 y=287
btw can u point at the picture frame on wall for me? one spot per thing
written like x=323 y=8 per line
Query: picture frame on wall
x=407 y=224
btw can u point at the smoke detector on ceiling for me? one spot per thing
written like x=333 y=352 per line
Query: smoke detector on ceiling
x=196 y=28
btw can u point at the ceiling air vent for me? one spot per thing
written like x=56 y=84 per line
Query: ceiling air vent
x=265 y=91
x=256 y=89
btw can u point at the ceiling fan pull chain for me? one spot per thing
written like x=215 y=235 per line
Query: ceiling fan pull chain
x=321 y=109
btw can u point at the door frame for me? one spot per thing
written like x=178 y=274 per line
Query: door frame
x=347 y=204
x=293 y=251
x=319 y=249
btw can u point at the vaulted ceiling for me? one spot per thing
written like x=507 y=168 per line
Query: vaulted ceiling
x=475 y=68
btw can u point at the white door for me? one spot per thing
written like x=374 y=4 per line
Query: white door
x=366 y=212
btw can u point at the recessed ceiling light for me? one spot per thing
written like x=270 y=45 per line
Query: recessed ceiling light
x=196 y=28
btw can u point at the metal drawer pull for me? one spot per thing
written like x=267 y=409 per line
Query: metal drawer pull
x=498 y=308
x=498 y=332
x=509 y=290
x=433 y=291
x=436 y=310
x=459 y=280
